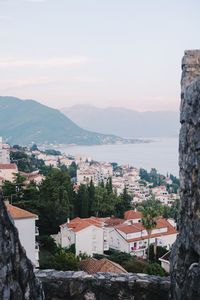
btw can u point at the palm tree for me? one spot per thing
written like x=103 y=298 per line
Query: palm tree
x=149 y=214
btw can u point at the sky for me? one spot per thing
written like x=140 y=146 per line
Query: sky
x=124 y=53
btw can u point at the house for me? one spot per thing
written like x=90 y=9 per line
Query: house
x=8 y=171
x=132 y=216
x=92 y=265
x=25 y=223
x=133 y=238
x=89 y=235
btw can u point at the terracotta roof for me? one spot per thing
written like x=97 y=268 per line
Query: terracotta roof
x=79 y=224
x=8 y=166
x=113 y=221
x=93 y=265
x=138 y=227
x=18 y=213
x=132 y=214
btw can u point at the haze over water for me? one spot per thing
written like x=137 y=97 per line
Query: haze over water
x=161 y=154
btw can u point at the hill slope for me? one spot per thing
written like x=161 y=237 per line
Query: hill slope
x=125 y=122
x=27 y=121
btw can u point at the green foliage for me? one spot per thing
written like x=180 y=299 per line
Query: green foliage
x=123 y=204
x=160 y=251
x=54 y=201
x=72 y=170
x=135 y=265
x=52 y=152
x=34 y=147
x=149 y=214
x=120 y=257
x=62 y=260
x=48 y=243
x=26 y=163
x=155 y=269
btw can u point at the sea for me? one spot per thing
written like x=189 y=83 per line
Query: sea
x=159 y=153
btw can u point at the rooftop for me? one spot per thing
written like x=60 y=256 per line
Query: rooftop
x=93 y=265
x=18 y=213
x=8 y=167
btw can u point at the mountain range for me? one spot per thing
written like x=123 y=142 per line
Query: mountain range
x=125 y=122
x=27 y=121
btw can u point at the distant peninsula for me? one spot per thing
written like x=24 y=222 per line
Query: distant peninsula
x=28 y=121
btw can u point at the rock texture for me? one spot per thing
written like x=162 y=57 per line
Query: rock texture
x=17 y=279
x=185 y=258
x=59 y=285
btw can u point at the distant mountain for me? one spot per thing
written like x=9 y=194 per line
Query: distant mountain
x=27 y=121
x=125 y=122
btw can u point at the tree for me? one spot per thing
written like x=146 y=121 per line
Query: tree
x=123 y=204
x=72 y=170
x=109 y=186
x=155 y=269
x=34 y=147
x=82 y=202
x=149 y=215
x=91 y=195
x=55 y=201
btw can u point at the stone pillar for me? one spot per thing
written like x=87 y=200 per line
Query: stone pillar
x=17 y=279
x=185 y=257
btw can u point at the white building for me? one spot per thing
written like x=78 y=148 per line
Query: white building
x=8 y=171
x=88 y=235
x=25 y=223
x=133 y=238
x=4 y=153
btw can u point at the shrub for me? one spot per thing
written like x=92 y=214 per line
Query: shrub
x=64 y=261
x=155 y=269
x=135 y=265
x=48 y=243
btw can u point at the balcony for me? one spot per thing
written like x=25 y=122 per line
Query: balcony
x=143 y=247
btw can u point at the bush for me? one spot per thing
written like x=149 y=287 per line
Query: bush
x=48 y=243
x=135 y=266
x=120 y=257
x=160 y=251
x=64 y=261
x=155 y=269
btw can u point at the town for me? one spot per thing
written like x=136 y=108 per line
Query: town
x=91 y=231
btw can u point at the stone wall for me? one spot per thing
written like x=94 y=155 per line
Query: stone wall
x=17 y=279
x=59 y=285
x=185 y=258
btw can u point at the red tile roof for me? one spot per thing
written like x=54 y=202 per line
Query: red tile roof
x=132 y=214
x=8 y=166
x=18 y=213
x=138 y=227
x=93 y=265
x=79 y=224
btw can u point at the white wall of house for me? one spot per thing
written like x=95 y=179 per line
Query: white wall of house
x=67 y=237
x=117 y=241
x=26 y=229
x=165 y=265
x=90 y=240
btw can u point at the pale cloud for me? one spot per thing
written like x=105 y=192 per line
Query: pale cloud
x=50 y=62
x=19 y=83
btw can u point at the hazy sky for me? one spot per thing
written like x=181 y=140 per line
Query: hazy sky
x=101 y=52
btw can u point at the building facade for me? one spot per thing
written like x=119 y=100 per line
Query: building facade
x=25 y=223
